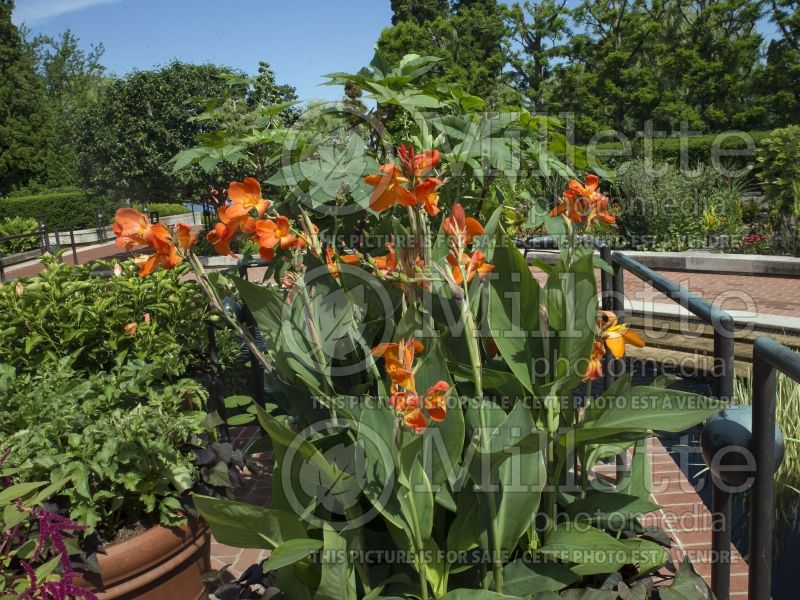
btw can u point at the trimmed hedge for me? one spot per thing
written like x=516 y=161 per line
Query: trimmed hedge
x=167 y=209
x=699 y=149
x=58 y=210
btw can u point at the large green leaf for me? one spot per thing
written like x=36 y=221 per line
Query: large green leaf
x=463 y=532
x=247 y=526
x=523 y=578
x=290 y=552
x=642 y=408
x=466 y=594
x=648 y=555
x=571 y=293
x=514 y=310
x=687 y=585
x=416 y=500
x=338 y=577
x=585 y=545
x=608 y=507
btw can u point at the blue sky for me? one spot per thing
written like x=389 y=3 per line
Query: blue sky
x=301 y=39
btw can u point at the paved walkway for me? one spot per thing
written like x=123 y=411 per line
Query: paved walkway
x=778 y=296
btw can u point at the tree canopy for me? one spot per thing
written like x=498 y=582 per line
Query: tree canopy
x=138 y=124
x=24 y=120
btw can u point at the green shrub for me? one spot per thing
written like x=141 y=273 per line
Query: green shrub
x=120 y=437
x=167 y=209
x=699 y=150
x=663 y=208
x=18 y=226
x=779 y=167
x=71 y=313
x=59 y=210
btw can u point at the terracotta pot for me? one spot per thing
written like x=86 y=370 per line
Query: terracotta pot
x=161 y=563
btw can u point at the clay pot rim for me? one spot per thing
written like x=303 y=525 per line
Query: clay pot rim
x=143 y=552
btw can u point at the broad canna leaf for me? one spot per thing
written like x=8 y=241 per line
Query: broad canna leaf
x=338 y=578
x=643 y=408
x=513 y=315
x=290 y=552
x=523 y=578
x=246 y=525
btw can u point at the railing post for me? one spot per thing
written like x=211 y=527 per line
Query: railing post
x=720 y=540
x=217 y=403
x=256 y=372
x=74 y=246
x=44 y=237
x=614 y=367
x=723 y=358
x=761 y=494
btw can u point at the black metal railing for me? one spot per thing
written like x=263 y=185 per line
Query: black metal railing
x=613 y=298
x=48 y=242
x=769 y=357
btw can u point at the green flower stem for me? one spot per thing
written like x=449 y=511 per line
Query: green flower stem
x=471 y=331
x=419 y=546
x=216 y=302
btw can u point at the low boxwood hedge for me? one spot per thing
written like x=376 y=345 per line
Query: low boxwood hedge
x=699 y=149
x=167 y=209
x=58 y=210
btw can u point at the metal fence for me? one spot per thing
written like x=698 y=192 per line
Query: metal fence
x=49 y=241
x=768 y=357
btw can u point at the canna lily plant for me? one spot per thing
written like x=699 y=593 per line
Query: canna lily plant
x=428 y=440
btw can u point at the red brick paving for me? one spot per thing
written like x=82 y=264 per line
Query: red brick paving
x=684 y=516
x=761 y=295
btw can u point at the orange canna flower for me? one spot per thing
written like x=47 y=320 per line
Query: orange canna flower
x=220 y=238
x=408 y=404
x=273 y=234
x=399 y=358
x=401 y=376
x=427 y=196
x=244 y=223
x=130 y=328
x=331 y=260
x=588 y=190
x=418 y=165
x=165 y=253
x=461 y=227
x=600 y=211
x=245 y=196
x=616 y=335
x=388 y=262
x=470 y=265
x=185 y=237
x=435 y=401
x=389 y=189
x=584 y=203
x=394 y=350
x=132 y=228
x=594 y=370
